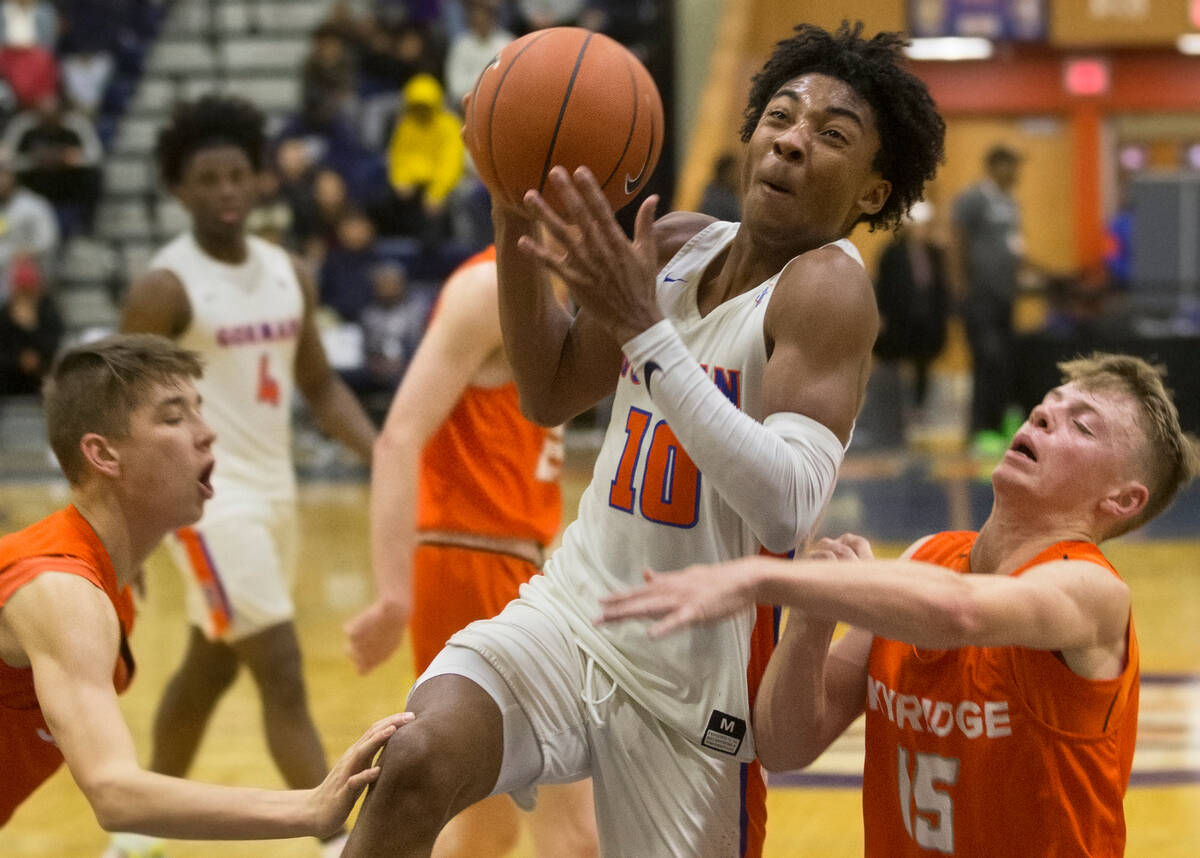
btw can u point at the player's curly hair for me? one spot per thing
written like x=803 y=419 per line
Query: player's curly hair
x=211 y=120
x=911 y=131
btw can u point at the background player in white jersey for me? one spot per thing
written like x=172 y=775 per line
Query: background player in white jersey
x=739 y=368
x=246 y=307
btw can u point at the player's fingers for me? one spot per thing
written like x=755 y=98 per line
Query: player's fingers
x=643 y=224
x=674 y=621
x=554 y=224
x=857 y=544
x=598 y=208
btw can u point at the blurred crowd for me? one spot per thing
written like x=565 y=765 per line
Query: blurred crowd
x=369 y=183
x=67 y=68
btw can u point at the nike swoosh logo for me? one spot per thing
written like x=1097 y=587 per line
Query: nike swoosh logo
x=631 y=182
x=650 y=368
x=45 y=736
x=667 y=278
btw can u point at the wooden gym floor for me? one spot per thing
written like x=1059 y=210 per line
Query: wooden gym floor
x=815 y=813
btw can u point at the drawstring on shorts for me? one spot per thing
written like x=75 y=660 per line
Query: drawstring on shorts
x=588 y=692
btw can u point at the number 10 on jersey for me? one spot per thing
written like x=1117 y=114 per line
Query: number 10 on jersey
x=670 y=489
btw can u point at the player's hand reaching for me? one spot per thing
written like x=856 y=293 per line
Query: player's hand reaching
x=697 y=594
x=332 y=801
x=605 y=272
x=375 y=632
x=848 y=546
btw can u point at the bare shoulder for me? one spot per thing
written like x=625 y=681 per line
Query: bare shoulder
x=157 y=303
x=672 y=231
x=469 y=302
x=828 y=288
x=56 y=609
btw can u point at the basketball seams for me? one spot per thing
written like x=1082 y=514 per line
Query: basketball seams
x=632 y=125
x=491 y=151
x=562 y=111
x=563 y=105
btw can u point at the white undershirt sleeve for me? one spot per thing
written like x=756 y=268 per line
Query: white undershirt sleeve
x=777 y=475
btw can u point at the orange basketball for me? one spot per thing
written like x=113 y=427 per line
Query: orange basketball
x=565 y=96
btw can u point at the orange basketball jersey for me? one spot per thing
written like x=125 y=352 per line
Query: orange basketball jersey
x=995 y=751
x=490 y=471
x=62 y=542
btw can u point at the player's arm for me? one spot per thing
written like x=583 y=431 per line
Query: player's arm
x=562 y=363
x=779 y=473
x=1073 y=606
x=464 y=333
x=156 y=304
x=812 y=690
x=810 y=693
x=68 y=631
x=335 y=409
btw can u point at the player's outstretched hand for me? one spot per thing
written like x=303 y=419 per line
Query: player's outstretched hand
x=333 y=800
x=607 y=273
x=848 y=546
x=697 y=594
x=374 y=634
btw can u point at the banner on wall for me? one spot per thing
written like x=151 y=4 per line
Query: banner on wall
x=1000 y=20
x=1122 y=22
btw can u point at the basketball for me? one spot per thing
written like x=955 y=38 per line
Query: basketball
x=564 y=96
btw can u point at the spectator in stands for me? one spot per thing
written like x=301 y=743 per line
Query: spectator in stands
x=473 y=49
x=89 y=35
x=328 y=77
x=57 y=153
x=27 y=224
x=389 y=57
x=30 y=330
x=720 y=197
x=392 y=325
x=425 y=162
x=331 y=200
x=271 y=217
x=332 y=140
x=538 y=14
x=345 y=278
x=25 y=23
x=296 y=170
x=28 y=32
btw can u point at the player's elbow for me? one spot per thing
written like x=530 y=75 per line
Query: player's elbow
x=778 y=757
x=779 y=528
x=956 y=619
x=543 y=410
x=111 y=802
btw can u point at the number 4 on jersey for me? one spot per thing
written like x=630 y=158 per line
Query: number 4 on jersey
x=670 y=491
x=268 y=387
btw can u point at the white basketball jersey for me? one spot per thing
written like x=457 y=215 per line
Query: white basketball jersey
x=246 y=322
x=648 y=506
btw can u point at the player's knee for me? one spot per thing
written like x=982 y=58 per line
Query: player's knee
x=418 y=778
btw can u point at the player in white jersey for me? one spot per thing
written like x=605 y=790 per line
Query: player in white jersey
x=739 y=354
x=245 y=306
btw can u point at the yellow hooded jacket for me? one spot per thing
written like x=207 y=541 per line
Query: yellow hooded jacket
x=426 y=152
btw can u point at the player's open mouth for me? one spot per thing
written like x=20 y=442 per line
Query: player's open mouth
x=206 y=480
x=1022 y=448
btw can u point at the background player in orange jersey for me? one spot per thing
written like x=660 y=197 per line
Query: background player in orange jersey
x=124 y=421
x=998 y=670
x=464 y=499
